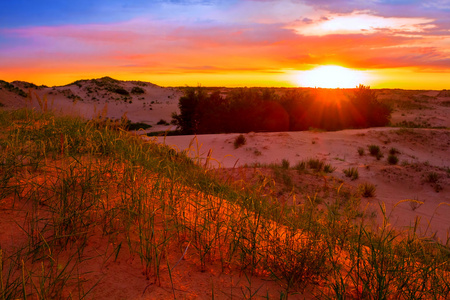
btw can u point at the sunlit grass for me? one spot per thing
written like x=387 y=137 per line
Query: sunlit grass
x=76 y=180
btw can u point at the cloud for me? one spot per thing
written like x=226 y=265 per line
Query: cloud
x=358 y=22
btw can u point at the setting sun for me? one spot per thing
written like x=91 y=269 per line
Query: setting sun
x=332 y=77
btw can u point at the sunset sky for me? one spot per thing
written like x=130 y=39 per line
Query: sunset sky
x=392 y=44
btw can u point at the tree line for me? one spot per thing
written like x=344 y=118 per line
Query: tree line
x=264 y=109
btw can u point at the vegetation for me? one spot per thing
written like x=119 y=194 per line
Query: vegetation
x=392 y=159
x=150 y=204
x=367 y=190
x=352 y=173
x=374 y=150
x=251 y=109
x=361 y=151
x=136 y=126
x=137 y=90
x=10 y=87
x=239 y=141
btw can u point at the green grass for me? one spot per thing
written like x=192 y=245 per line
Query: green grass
x=80 y=181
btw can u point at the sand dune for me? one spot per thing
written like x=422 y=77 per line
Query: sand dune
x=422 y=150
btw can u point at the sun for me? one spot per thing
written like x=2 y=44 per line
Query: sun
x=331 y=76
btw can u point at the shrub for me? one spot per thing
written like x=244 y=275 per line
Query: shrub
x=432 y=177
x=393 y=151
x=121 y=91
x=374 y=150
x=361 y=151
x=352 y=173
x=328 y=168
x=162 y=122
x=285 y=164
x=239 y=141
x=137 y=126
x=392 y=159
x=300 y=166
x=367 y=190
x=137 y=90
x=315 y=164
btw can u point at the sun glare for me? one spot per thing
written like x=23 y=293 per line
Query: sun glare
x=332 y=77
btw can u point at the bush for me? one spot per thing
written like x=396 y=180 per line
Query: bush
x=374 y=150
x=367 y=190
x=392 y=159
x=162 y=122
x=285 y=164
x=361 y=151
x=300 y=166
x=432 y=177
x=393 y=151
x=379 y=155
x=239 y=141
x=121 y=91
x=137 y=90
x=352 y=173
x=315 y=164
x=136 y=126
x=328 y=168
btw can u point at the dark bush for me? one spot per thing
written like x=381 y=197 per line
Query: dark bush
x=137 y=90
x=121 y=91
x=392 y=159
x=256 y=109
x=239 y=141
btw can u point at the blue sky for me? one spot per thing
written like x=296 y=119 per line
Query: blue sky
x=181 y=41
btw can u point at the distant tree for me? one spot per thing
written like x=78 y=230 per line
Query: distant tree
x=188 y=119
x=366 y=110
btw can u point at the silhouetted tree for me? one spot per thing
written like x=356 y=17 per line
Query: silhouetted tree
x=188 y=119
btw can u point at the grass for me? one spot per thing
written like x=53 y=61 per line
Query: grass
x=78 y=182
x=374 y=150
x=392 y=159
x=367 y=190
x=361 y=151
x=432 y=177
x=239 y=141
x=351 y=173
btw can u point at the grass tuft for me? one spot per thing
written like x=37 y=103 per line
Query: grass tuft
x=239 y=141
x=392 y=159
x=351 y=173
x=367 y=190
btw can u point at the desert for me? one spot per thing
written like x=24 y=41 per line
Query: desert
x=147 y=232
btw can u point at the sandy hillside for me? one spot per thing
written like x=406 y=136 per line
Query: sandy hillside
x=140 y=101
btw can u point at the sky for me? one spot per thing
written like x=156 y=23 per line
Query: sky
x=384 y=44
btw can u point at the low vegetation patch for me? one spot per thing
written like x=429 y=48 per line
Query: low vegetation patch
x=239 y=141
x=374 y=150
x=351 y=173
x=367 y=190
x=392 y=159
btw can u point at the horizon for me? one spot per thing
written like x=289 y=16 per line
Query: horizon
x=250 y=43
x=223 y=86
